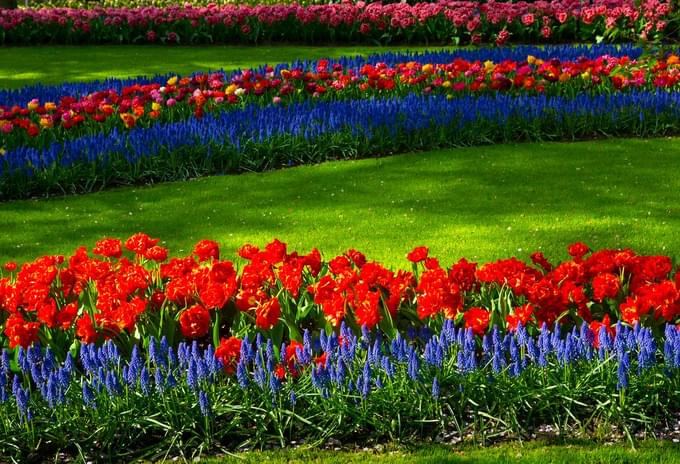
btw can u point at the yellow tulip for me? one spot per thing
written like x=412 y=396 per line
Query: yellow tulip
x=231 y=89
x=428 y=68
x=531 y=59
x=156 y=106
x=488 y=65
x=172 y=80
x=2 y=152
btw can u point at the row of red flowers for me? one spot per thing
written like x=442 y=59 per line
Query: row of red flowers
x=468 y=21
x=86 y=297
x=179 y=98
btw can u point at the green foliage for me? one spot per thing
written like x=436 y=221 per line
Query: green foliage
x=576 y=399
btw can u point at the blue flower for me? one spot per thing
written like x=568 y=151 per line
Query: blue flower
x=160 y=383
x=204 y=404
x=145 y=381
x=4 y=361
x=242 y=373
x=112 y=384
x=22 y=397
x=413 y=365
x=170 y=380
x=622 y=372
x=192 y=375
x=366 y=380
x=435 y=388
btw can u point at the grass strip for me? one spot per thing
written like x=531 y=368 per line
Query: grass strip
x=539 y=452
x=483 y=203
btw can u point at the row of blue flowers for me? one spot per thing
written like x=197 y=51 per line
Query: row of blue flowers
x=260 y=138
x=448 y=372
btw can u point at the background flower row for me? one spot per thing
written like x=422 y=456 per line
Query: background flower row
x=39 y=123
x=443 y=22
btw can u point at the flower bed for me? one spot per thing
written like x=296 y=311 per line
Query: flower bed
x=45 y=93
x=255 y=138
x=288 y=115
x=336 y=386
x=442 y=22
x=91 y=298
x=38 y=123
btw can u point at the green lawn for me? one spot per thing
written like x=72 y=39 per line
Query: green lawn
x=482 y=203
x=21 y=66
x=530 y=453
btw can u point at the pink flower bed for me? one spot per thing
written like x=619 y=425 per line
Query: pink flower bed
x=444 y=22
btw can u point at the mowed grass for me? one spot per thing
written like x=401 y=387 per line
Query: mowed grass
x=536 y=452
x=21 y=66
x=483 y=203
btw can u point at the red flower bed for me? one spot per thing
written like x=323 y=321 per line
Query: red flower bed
x=138 y=292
